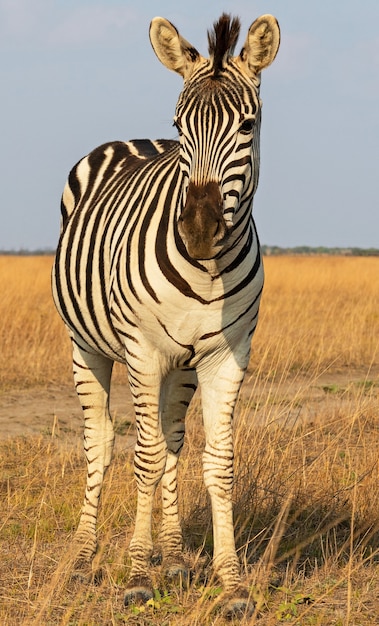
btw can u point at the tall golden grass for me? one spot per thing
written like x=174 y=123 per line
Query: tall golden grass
x=316 y=313
x=306 y=448
x=34 y=344
x=319 y=312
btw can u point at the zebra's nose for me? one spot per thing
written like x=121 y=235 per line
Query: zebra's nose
x=201 y=224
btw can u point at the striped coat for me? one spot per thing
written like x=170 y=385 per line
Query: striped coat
x=158 y=266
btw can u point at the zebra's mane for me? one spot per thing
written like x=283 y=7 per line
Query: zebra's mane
x=222 y=40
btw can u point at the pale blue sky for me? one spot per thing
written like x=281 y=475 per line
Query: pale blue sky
x=75 y=74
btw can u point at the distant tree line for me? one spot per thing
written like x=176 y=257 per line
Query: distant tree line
x=319 y=250
x=25 y=252
x=267 y=251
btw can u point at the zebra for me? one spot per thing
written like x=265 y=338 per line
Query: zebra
x=158 y=266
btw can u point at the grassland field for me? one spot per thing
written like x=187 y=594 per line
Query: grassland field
x=306 y=494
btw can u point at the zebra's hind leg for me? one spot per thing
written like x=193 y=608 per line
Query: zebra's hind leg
x=177 y=392
x=92 y=375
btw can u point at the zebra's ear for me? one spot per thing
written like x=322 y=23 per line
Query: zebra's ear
x=261 y=45
x=171 y=48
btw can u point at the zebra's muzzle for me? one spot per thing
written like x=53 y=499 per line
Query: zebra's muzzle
x=202 y=225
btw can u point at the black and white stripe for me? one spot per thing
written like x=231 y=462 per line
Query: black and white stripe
x=158 y=266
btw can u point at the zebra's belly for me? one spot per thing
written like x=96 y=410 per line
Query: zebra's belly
x=87 y=318
x=105 y=342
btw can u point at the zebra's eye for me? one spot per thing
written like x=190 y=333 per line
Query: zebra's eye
x=247 y=126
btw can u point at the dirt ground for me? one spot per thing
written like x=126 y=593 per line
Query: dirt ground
x=56 y=410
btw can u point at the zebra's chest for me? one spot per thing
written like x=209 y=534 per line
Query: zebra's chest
x=180 y=339
x=183 y=325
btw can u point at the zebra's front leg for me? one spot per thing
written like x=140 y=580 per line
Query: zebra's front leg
x=149 y=464
x=177 y=392
x=219 y=392
x=92 y=375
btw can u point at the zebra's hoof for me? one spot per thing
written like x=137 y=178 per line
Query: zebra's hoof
x=88 y=576
x=238 y=605
x=178 y=574
x=139 y=591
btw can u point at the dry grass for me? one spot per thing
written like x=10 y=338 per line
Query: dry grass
x=318 y=313
x=306 y=497
x=34 y=343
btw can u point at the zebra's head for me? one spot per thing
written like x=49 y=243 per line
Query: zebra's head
x=218 y=120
